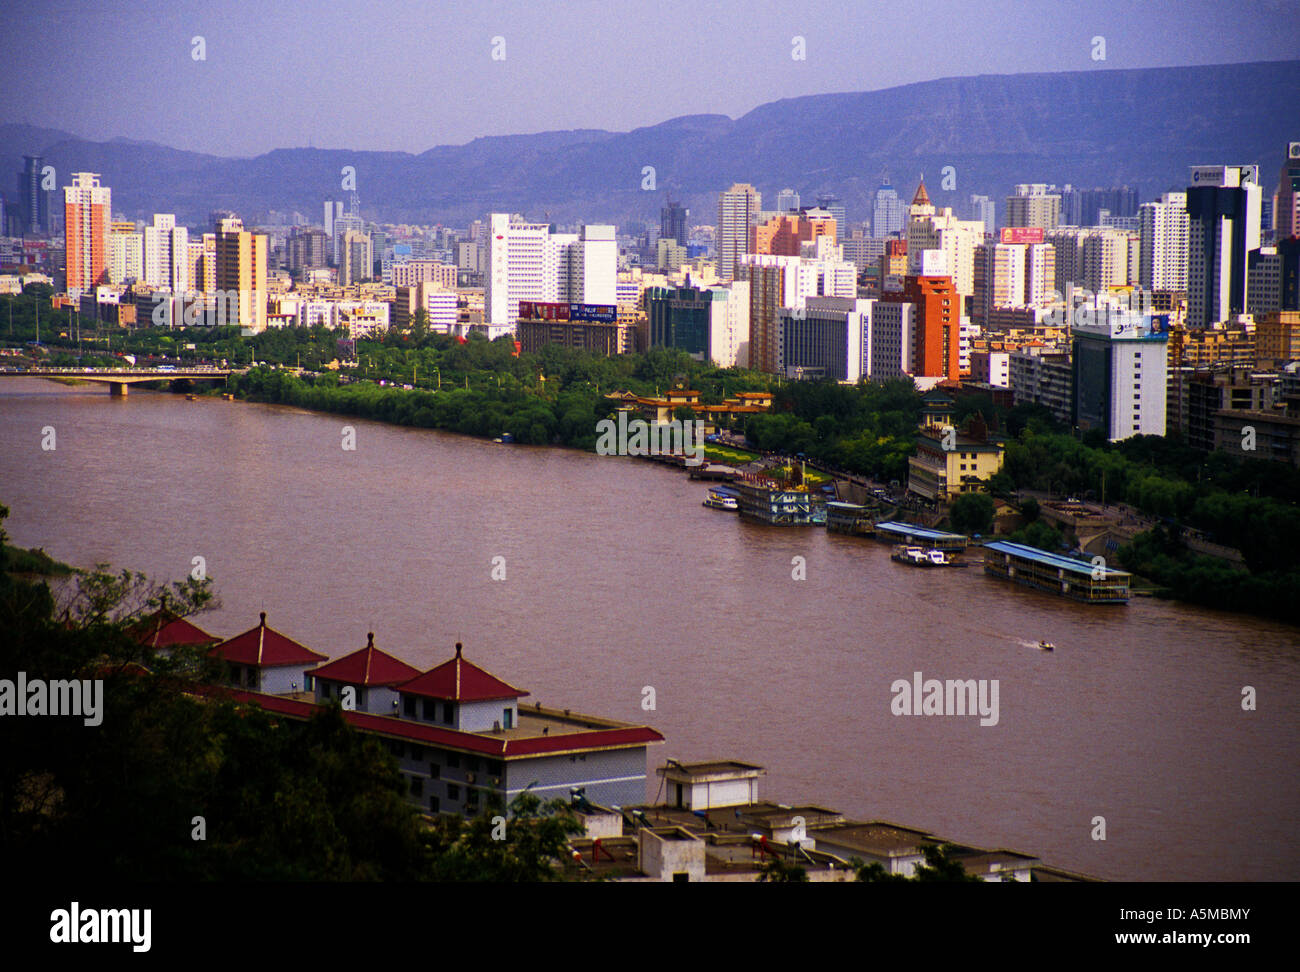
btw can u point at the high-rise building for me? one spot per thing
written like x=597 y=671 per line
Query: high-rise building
x=935 y=335
x=672 y=222
x=1012 y=275
x=125 y=253
x=784 y=235
x=166 y=248
x=1104 y=260
x=775 y=282
x=33 y=201
x=1033 y=205
x=1223 y=211
x=1162 y=233
x=307 y=249
x=241 y=274
x=787 y=201
x=209 y=282
x=1120 y=364
x=930 y=229
x=343 y=225
x=835 y=207
x=829 y=338
x=710 y=324
x=887 y=215
x=87 y=217
x=516 y=270
x=592 y=266
x=526 y=261
x=738 y=210
x=356 y=258
x=1286 y=215
x=984 y=210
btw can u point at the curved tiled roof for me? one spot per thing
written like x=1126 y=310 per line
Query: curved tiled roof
x=460 y=681
x=163 y=629
x=266 y=648
x=368 y=666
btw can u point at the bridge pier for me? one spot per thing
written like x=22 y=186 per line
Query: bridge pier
x=117 y=389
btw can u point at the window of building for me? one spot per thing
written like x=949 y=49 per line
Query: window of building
x=417 y=752
x=417 y=786
x=453 y=760
x=408 y=706
x=471 y=764
x=508 y=718
x=430 y=709
x=324 y=690
x=435 y=771
x=453 y=791
x=433 y=804
x=448 y=713
x=252 y=678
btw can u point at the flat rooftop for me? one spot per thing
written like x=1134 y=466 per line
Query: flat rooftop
x=716 y=767
x=899 y=528
x=1052 y=559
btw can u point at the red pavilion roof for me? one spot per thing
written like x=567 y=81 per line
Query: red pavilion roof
x=165 y=630
x=460 y=681
x=368 y=666
x=266 y=648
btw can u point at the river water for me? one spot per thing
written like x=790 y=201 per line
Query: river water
x=618 y=579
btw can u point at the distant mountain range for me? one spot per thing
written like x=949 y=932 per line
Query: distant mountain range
x=1090 y=128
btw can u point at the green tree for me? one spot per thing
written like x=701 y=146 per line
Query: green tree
x=972 y=513
x=526 y=845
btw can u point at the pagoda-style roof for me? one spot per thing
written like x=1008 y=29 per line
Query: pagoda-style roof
x=458 y=680
x=163 y=629
x=367 y=666
x=265 y=647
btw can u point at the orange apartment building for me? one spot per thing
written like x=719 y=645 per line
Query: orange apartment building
x=936 y=338
x=784 y=235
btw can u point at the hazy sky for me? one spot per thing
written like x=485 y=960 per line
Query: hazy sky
x=411 y=74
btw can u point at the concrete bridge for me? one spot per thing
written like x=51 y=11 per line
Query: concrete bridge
x=119 y=379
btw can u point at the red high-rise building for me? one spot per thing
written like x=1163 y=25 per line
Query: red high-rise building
x=937 y=333
x=87 y=208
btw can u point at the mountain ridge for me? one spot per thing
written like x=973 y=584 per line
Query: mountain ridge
x=1090 y=128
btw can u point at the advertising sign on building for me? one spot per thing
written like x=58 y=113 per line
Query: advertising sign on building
x=606 y=313
x=1208 y=175
x=1022 y=234
x=535 y=310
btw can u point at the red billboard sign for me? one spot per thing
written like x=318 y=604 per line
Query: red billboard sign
x=1022 y=234
x=534 y=310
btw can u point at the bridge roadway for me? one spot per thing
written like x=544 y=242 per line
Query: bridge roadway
x=118 y=379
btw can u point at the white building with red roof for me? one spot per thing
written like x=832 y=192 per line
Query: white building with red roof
x=461 y=739
x=264 y=660
x=462 y=696
x=371 y=674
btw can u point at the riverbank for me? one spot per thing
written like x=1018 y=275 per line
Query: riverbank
x=35 y=562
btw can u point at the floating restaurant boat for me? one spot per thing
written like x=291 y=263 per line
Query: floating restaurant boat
x=850 y=518
x=722 y=498
x=1076 y=579
x=768 y=502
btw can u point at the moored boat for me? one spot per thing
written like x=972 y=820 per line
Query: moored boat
x=721 y=498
